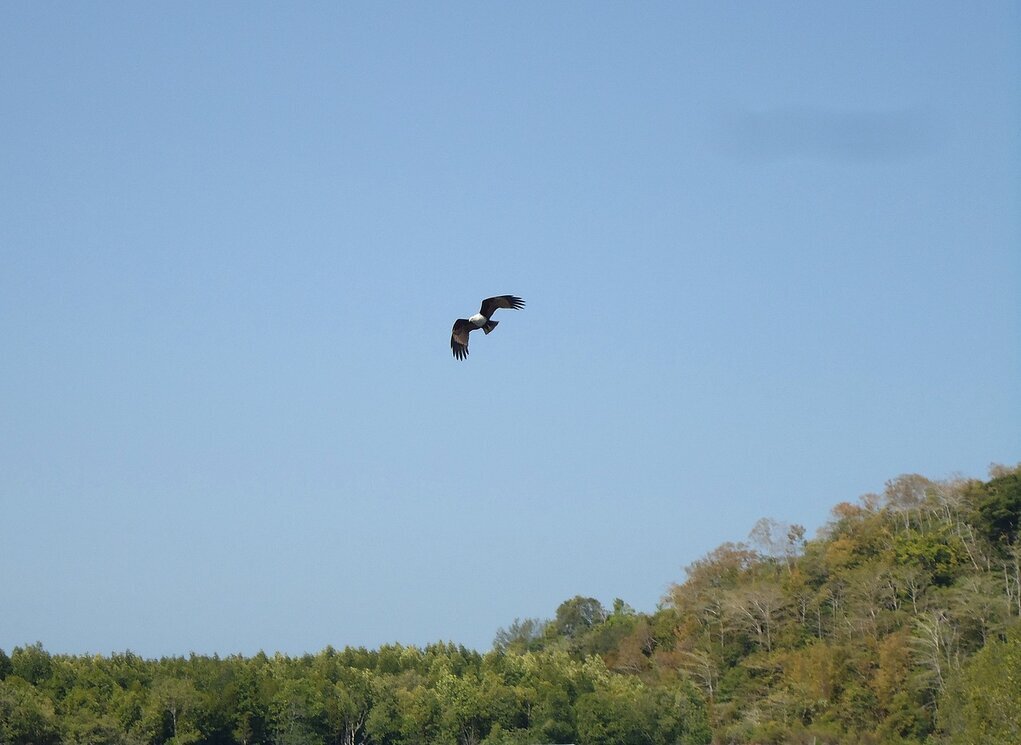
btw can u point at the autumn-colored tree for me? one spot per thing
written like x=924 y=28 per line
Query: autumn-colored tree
x=904 y=612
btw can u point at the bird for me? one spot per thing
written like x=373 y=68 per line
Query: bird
x=464 y=326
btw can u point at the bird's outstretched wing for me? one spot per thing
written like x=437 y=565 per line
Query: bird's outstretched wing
x=490 y=304
x=459 y=338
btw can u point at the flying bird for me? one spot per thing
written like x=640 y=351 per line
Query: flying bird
x=464 y=326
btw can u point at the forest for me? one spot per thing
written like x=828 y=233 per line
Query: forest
x=898 y=623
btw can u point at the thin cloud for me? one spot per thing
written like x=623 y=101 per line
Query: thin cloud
x=816 y=133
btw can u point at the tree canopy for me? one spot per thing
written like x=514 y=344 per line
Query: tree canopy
x=898 y=623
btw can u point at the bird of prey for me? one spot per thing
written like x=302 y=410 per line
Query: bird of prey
x=464 y=326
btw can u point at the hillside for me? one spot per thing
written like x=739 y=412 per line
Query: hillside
x=897 y=624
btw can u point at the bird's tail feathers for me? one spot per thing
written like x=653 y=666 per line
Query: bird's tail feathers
x=489 y=326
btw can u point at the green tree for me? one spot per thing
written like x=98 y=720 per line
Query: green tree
x=521 y=636
x=464 y=716
x=248 y=709
x=347 y=705
x=32 y=663
x=27 y=716
x=84 y=713
x=577 y=616
x=608 y=719
x=938 y=552
x=385 y=723
x=172 y=711
x=85 y=727
x=298 y=712
x=421 y=717
x=980 y=704
x=675 y=713
x=1000 y=508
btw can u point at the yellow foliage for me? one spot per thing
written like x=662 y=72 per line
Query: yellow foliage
x=840 y=553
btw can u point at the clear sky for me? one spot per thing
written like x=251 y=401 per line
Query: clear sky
x=771 y=255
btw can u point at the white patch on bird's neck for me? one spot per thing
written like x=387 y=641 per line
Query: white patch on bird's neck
x=478 y=320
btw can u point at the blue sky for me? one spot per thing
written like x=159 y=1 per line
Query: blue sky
x=770 y=254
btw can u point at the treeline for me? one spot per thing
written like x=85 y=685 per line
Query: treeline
x=869 y=633
x=440 y=694
x=898 y=624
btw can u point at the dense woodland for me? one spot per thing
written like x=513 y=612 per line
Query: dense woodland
x=899 y=623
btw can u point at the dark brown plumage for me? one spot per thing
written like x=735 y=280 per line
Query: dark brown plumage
x=481 y=320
